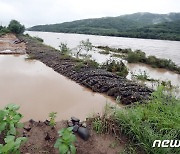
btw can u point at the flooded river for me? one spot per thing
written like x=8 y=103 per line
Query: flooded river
x=160 y=48
x=39 y=90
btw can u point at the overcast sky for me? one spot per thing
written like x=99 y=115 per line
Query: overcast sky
x=35 y=12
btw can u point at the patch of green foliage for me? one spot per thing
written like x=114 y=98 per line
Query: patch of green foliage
x=65 y=142
x=9 y=122
x=10 y=119
x=39 y=39
x=15 y=27
x=64 y=49
x=139 y=56
x=52 y=117
x=85 y=63
x=116 y=67
x=12 y=145
x=97 y=125
x=4 y=30
x=157 y=119
x=143 y=76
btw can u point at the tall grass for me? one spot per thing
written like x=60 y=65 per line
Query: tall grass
x=158 y=119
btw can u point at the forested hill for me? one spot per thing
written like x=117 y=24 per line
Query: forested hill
x=138 y=25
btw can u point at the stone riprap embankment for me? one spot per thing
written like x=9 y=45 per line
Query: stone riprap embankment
x=98 y=80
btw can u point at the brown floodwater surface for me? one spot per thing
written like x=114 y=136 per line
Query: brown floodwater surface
x=39 y=90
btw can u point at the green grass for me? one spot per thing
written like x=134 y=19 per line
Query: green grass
x=158 y=119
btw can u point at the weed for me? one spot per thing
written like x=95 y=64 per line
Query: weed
x=98 y=125
x=9 y=119
x=52 y=117
x=65 y=144
x=12 y=145
x=157 y=119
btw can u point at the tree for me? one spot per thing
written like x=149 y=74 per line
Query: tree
x=64 y=48
x=15 y=27
x=84 y=45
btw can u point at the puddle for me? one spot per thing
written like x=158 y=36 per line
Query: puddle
x=39 y=90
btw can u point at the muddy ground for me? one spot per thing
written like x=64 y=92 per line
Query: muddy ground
x=98 y=80
x=41 y=139
x=9 y=44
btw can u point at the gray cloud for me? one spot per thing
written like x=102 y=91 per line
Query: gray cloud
x=33 y=12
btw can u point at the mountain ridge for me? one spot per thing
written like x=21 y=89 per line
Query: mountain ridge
x=121 y=26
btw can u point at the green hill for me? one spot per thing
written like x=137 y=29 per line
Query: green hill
x=140 y=25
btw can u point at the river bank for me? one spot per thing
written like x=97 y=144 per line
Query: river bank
x=98 y=80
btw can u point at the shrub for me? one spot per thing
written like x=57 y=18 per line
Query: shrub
x=15 y=27
x=64 y=49
x=136 y=56
x=116 y=67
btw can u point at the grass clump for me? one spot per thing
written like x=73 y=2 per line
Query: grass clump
x=116 y=67
x=52 y=117
x=98 y=125
x=158 y=119
x=38 y=39
x=143 y=76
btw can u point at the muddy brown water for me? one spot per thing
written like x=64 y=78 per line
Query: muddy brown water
x=160 y=48
x=39 y=90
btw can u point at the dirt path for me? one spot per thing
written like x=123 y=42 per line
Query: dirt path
x=10 y=44
x=98 y=80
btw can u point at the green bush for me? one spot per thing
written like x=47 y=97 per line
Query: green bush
x=15 y=27
x=64 y=48
x=136 y=56
x=116 y=67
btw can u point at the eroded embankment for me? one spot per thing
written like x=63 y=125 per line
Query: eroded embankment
x=96 y=79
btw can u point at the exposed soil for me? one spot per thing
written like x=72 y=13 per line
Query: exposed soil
x=9 y=44
x=98 y=80
x=41 y=139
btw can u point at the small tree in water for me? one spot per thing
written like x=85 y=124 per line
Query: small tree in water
x=84 y=45
x=64 y=49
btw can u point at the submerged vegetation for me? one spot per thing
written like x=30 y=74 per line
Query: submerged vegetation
x=116 y=67
x=139 y=56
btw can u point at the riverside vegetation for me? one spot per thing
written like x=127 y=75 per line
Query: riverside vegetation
x=13 y=27
x=155 y=119
x=139 y=56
